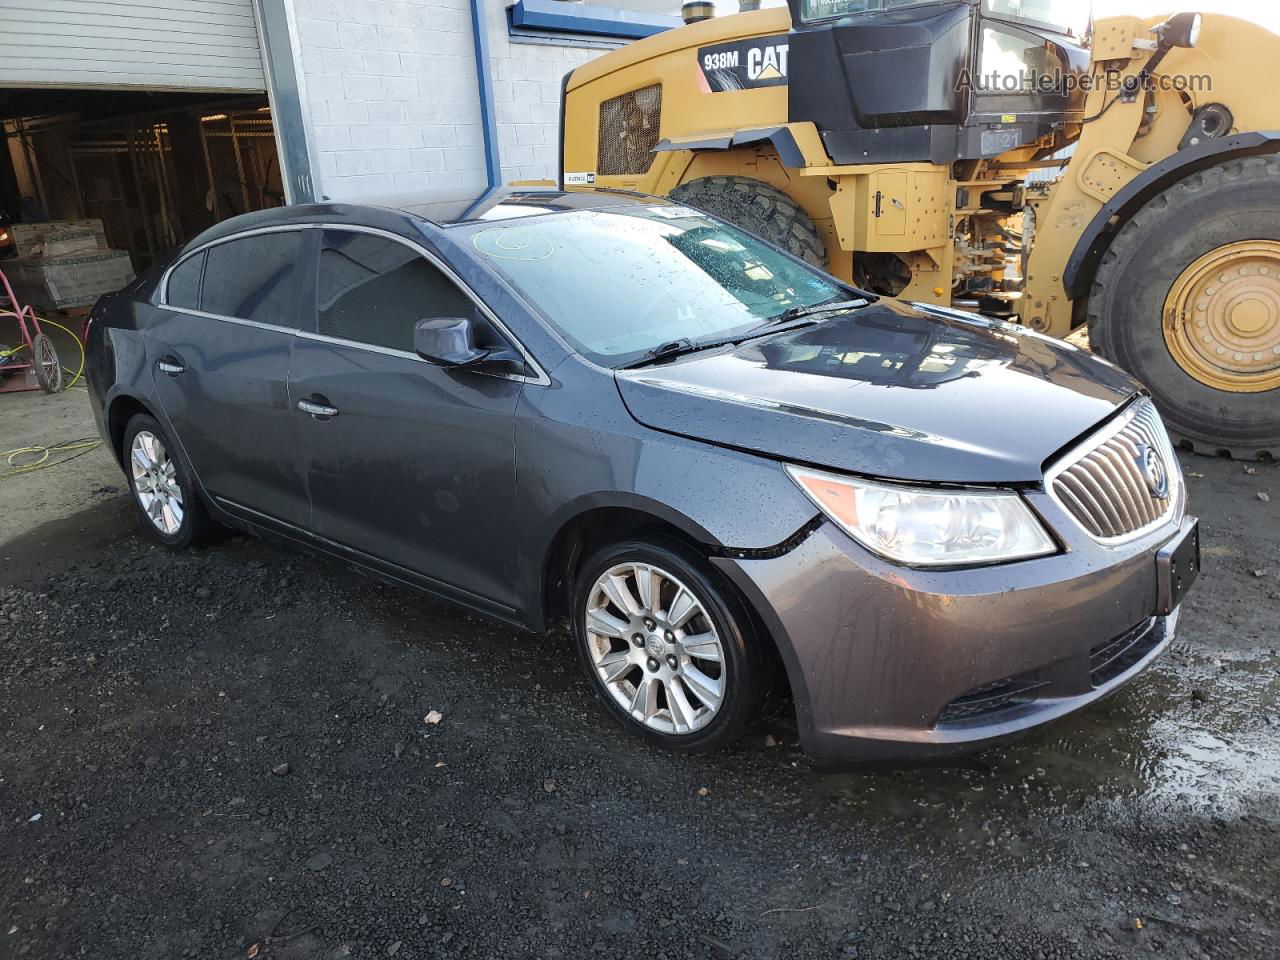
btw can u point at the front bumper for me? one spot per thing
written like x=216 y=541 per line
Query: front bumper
x=891 y=662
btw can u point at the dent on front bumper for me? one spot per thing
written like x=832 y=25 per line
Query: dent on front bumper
x=890 y=662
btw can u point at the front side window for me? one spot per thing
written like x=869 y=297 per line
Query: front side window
x=830 y=9
x=1013 y=64
x=183 y=290
x=618 y=282
x=1070 y=15
x=374 y=290
x=254 y=278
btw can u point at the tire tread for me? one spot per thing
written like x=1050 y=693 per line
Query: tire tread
x=758 y=208
x=1122 y=260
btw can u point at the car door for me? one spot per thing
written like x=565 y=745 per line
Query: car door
x=219 y=350
x=404 y=461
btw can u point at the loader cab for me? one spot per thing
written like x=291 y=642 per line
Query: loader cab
x=894 y=81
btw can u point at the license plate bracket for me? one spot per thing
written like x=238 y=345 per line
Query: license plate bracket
x=1177 y=566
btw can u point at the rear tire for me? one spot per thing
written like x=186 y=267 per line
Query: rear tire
x=1159 y=253
x=689 y=681
x=757 y=208
x=163 y=488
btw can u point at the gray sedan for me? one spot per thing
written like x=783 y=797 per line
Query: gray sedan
x=728 y=471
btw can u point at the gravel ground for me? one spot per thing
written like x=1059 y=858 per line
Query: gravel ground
x=242 y=751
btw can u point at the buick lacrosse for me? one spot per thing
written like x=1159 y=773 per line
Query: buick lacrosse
x=726 y=470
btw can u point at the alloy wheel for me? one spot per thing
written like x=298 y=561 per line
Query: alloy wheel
x=155 y=482
x=655 y=649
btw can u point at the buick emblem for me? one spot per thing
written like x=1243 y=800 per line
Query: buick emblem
x=1153 y=471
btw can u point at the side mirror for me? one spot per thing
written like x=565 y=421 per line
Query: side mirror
x=447 y=341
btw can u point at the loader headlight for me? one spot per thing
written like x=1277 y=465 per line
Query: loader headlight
x=1180 y=30
x=927 y=527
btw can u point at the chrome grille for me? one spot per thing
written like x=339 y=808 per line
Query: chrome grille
x=1104 y=485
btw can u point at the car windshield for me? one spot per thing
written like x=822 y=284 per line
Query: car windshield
x=621 y=281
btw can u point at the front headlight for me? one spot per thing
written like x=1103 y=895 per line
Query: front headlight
x=921 y=526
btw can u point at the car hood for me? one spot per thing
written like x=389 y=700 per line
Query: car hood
x=889 y=390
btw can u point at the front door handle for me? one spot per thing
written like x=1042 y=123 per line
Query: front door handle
x=317 y=409
x=170 y=366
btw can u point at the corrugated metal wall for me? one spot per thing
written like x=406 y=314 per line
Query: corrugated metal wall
x=157 y=44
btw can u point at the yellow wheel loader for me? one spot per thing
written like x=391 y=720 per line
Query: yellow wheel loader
x=998 y=155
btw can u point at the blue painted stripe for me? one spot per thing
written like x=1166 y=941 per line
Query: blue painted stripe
x=488 y=116
x=594 y=21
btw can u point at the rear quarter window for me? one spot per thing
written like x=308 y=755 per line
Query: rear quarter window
x=183 y=290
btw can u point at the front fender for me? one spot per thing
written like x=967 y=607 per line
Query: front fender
x=1093 y=242
x=797 y=144
x=573 y=456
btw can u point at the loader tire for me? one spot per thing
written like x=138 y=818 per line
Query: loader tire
x=1187 y=299
x=757 y=208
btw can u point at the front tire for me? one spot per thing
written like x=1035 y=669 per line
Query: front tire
x=1187 y=299
x=757 y=208
x=163 y=488
x=669 y=649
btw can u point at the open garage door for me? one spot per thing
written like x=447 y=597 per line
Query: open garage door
x=206 y=45
x=150 y=168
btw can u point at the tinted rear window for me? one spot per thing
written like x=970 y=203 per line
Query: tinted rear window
x=254 y=278
x=184 y=284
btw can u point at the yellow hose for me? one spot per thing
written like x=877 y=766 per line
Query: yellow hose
x=79 y=372
x=42 y=454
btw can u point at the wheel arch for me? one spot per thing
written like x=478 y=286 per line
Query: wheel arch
x=593 y=522
x=593 y=525
x=781 y=137
x=120 y=411
x=1096 y=238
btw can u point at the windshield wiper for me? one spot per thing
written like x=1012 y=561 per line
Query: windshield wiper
x=798 y=313
x=672 y=349
x=685 y=345
x=827 y=306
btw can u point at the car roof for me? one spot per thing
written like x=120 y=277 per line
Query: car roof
x=440 y=208
x=504 y=203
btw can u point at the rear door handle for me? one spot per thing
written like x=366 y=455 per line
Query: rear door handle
x=317 y=409
x=170 y=366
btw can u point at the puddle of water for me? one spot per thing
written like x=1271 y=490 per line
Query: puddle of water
x=1147 y=750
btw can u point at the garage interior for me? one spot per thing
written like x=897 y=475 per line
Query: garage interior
x=155 y=167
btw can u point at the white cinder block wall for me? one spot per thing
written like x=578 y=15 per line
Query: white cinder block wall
x=526 y=90
x=393 y=99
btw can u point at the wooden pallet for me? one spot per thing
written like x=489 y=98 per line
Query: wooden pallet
x=70 y=313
